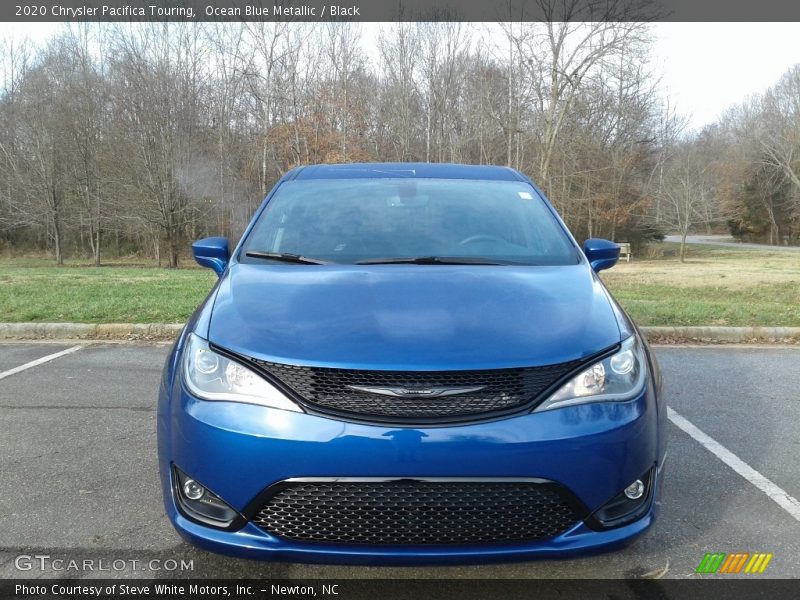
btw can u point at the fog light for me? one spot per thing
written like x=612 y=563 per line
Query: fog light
x=628 y=505
x=635 y=490
x=201 y=504
x=194 y=491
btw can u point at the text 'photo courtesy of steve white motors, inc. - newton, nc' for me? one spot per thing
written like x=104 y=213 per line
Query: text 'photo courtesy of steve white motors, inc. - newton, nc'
x=277 y=11
x=192 y=590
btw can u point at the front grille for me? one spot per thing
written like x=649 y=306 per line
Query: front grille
x=327 y=389
x=402 y=512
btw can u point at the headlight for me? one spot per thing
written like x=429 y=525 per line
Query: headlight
x=618 y=377
x=211 y=376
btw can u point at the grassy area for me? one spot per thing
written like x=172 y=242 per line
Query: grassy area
x=716 y=286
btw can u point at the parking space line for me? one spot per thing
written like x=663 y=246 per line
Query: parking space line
x=775 y=492
x=39 y=361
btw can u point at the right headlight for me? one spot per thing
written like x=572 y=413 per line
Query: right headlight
x=618 y=377
x=211 y=376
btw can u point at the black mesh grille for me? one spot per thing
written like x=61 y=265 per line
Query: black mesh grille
x=416 y=512
x=502 y=389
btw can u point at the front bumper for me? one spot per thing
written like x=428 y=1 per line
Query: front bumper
x=238 y=450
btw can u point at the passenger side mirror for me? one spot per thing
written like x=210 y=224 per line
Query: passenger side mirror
x=213 y=253
x=602 y=254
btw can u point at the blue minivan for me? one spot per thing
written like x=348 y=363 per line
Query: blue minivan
x=409 y=364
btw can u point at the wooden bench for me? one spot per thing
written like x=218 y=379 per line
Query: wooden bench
x=625 y=251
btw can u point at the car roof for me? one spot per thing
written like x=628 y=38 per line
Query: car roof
x=409 y=170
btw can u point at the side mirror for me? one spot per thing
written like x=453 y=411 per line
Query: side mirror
x=602 y=254
x=213 y=253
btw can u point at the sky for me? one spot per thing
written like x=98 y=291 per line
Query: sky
x=705 y=68
x=708 y=67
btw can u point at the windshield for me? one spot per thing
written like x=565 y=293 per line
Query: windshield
x=357 y=220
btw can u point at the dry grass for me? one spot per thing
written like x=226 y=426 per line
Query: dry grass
x=729 y=268
x=715 y=286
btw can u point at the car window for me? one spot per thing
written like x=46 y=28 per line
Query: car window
x=351 y=220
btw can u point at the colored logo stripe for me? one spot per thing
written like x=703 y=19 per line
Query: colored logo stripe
x=711 y=563
x=734 y=562
x=758 y=563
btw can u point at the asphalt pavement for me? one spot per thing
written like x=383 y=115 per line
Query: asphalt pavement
x=79 y=472
x=727 y=241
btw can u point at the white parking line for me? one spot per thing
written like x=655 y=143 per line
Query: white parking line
x=39 y=361
x=775 y=492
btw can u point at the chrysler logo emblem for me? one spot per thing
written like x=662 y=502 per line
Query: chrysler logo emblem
x=428 y=392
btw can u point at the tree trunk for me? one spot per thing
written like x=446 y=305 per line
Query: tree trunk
x=509 y=126
x=98 y=237
x=428 y=130
x=59 y=254
x=172 y=247
x=97 y=248
x=344 y=117
x=173 y=253
x=263 y=173
x=157 y=248
x=683 y=247
x=774 y=230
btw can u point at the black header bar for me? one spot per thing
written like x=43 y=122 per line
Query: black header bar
x=733 y=588
x=190 y=11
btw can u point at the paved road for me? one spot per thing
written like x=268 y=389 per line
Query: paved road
x=726 y=240
x=79 y=474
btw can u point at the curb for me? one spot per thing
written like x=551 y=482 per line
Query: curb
x=722 y=335
x=90 y=331
x=169 y=331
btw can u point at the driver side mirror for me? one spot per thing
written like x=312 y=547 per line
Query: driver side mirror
x=602 y=254
x=213 y=253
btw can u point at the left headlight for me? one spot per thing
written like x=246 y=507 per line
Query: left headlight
x=618 y=377
x=212 y=376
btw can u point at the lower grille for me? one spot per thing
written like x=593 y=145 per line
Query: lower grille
x=332 y=390
x=405 y=511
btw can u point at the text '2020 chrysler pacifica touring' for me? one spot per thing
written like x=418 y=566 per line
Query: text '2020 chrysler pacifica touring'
x=407 y=363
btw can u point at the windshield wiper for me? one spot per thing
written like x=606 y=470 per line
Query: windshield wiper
x=286 y=257
x=430 y=260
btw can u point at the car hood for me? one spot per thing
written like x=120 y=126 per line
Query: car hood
x=415 y=317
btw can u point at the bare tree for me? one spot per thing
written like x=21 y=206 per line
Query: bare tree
x=264 y=38
x=15 y=65
x=159 y=132
x=85 y=112
x=43 y=147
x=399 y=49
x=442 y=45
x=780 y=136
x=686 y=192
x=559 y=56
x=158 y=75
